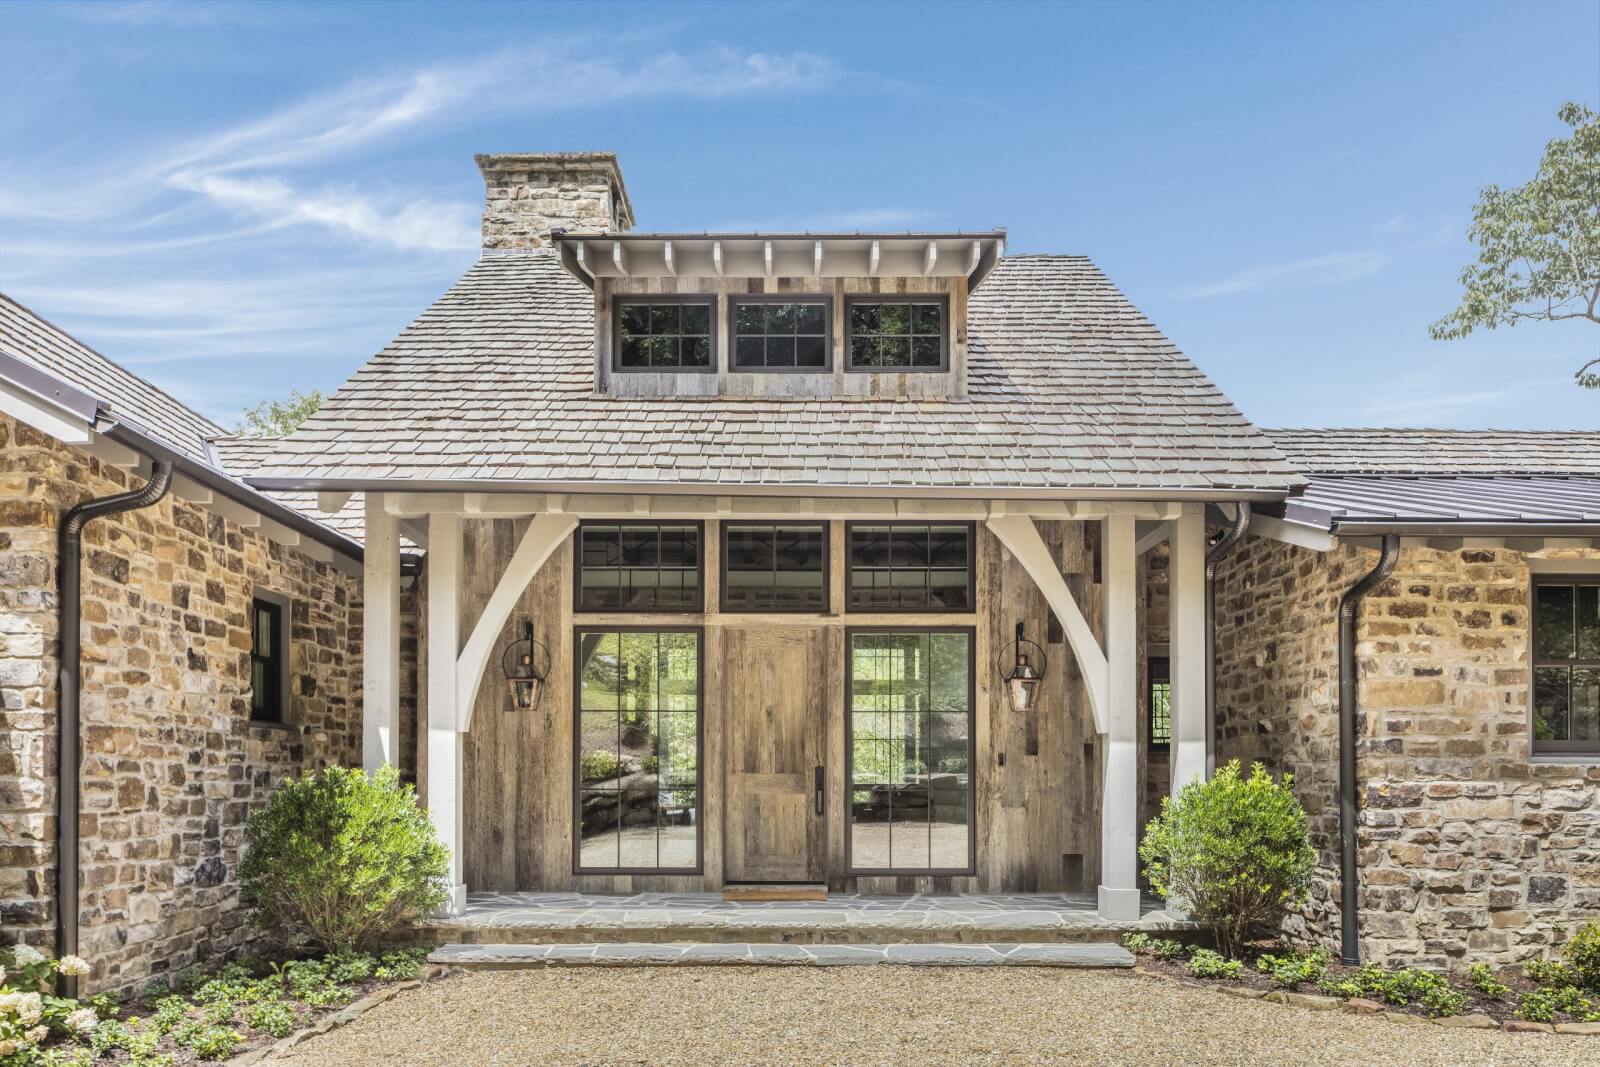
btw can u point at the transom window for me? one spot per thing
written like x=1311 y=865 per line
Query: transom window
x=909 y=567
x=774 y=567
x=664 y=333
x=637 y=750
x=268 y=663
x=639 y=566
x=1566 y=664
x=896 y=333
x=786 y=333
x=1160 y=697
x=909 y=695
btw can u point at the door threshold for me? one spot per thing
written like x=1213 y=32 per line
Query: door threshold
x=766 y=891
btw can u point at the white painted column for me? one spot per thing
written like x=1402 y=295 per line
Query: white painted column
x=380 y=638
x=444 y=720
x=1186 y=592
x=1119 y=800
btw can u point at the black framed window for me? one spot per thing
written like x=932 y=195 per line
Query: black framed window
x=896 y=333
x=268 y=661
x=1159 y=670
x=665 y=333
x=781 y=333
x=909 y=740
x=639 y=566
x=774 y=566
x=636 y=752
x=909 y=566
x=1566 y=664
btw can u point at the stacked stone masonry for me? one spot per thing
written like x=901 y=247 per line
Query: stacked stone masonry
x=172 y=765
x=1470 y=848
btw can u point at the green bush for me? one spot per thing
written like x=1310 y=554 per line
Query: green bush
x=1208 y=964
x=1295 y=969
x=1233 y=851
x=1582 y=955
x=598 y=766
x=1162 y=948
x=400 y=965
x=339 y=859
x=1541 y=1005
x=209 y=1042
x=1482 y=978
x=270 y=1017
x=1550 y=975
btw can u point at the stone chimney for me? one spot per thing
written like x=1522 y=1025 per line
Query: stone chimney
x=528 y=194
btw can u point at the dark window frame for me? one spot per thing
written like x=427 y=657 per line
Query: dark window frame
x=619 y=299
x=736 y=299
x=1158 y=671
x=699 y=749
x=722 y=569
x=940 y=299
x=971 y=633
x=847 y=562
x=1568 y=748
x=278 y=700
x=578 y=606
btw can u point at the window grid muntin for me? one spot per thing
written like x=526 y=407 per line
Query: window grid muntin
x=853 y=700
x=745 y=304
x=672 y=654
x=938 y=341
x=703 y=304
x=1159 y=695
x=728 y=603
x=1571 y=665
x=690 y=579
x=896 y=577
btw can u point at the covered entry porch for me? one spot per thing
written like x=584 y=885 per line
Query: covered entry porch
x=1055 y=793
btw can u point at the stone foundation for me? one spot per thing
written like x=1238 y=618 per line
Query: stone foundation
x=1470 y=849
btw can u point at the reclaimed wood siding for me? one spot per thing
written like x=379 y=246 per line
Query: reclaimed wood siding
x=1038 y=816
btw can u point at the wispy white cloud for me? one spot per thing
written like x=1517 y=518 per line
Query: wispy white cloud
x=185 y=14
x=1332 y=269
x=1427 y=407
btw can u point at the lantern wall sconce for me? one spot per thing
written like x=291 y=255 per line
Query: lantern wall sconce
x=1022 y=678
x=526 y=664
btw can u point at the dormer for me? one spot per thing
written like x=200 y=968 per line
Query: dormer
x=881 y=316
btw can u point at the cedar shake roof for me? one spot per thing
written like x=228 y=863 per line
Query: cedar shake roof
x=1071 y=388
x=1445 y=480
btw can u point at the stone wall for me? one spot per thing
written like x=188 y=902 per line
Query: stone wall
x=1470 y=849
x=171 y=764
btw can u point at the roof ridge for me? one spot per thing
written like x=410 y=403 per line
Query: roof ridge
x=1414 y=429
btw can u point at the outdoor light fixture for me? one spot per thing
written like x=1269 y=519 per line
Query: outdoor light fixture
x=524 y=674
x=1022 y=679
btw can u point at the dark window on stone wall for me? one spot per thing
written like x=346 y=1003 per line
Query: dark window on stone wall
x=1566 y=664
x=268 y=660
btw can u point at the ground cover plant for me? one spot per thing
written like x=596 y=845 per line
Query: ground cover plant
x=1540 y=991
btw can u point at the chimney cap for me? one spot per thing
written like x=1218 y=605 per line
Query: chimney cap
x=599 y=164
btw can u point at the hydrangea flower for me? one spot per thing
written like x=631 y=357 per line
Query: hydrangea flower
x=2 y=975
x=26 y=955
x=7 y=1047
x=30 y=1006
x=83 y=1020
x=73 y=966
x=37 y=1034
x=8 y=1002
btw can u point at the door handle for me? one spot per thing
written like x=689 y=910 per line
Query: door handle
x=820 y=794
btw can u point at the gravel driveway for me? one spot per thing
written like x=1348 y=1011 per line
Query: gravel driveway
x=895 y=1016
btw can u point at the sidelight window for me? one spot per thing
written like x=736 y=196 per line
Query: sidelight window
x=637 y=750
x=1566 y=665
x=909 y=738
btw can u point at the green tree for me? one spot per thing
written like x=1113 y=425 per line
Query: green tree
x=280 y=418
x=1538 y=244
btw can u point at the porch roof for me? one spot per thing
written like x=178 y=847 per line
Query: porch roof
x=1071 y=390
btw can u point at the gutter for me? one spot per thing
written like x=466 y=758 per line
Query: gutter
x=1349 y=887
x=69 y=670
x=1230 y=537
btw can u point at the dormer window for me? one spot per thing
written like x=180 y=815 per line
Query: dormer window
x=781 y=332
x=901 y=333
x=665 y=333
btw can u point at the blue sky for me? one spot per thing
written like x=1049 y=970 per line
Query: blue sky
x=237 y=200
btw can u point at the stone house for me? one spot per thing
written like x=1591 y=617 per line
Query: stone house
x=725 y=548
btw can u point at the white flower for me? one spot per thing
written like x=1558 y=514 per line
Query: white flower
x=2 y=976
x=7 y=1047
x=37 y=1034
x=73 y=966
x=26 y=955
x=83 y=1020
x=8 y=1002
x=29 y=1008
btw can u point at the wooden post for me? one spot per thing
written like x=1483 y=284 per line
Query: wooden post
x=380 y=638
x=1119 y=807
x=445 y=747
x=1186 y=603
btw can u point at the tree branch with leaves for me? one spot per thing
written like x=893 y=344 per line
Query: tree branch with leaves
x=1538 y=244
x=280 y=418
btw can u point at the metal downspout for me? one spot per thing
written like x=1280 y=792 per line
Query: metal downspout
x=68 y=744
x=1230 y=537
x=1349 y=879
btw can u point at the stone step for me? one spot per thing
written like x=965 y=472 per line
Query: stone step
x=684 y=954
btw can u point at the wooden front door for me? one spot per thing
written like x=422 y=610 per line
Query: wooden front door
x=776 y=696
